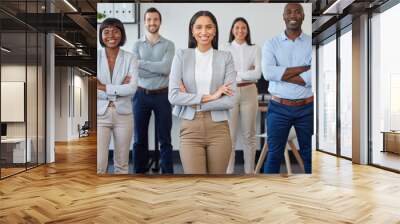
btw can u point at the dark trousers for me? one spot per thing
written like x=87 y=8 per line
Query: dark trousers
x=143 y=105
x=280 y=118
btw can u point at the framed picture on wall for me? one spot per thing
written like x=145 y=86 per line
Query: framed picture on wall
x=126 y=12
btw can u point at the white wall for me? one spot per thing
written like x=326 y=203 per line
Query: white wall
x=69 y=82
x=61 y=103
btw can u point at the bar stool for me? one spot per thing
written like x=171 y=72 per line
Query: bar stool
x=290 y=144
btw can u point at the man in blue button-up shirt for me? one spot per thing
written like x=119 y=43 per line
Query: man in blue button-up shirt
x=286 y=61
x=155 y=55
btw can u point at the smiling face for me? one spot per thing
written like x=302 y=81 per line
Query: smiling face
x=293 y=16
x=203 y=31
x=111 y=36
x=240 y=31
x=152 y=22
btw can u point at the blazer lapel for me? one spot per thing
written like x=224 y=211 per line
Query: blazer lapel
x=106 y=73
x=191 y=67
x=117 y=66
x=214 y=73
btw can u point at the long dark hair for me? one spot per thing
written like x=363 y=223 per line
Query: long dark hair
x=232 y=37
x=192 y=41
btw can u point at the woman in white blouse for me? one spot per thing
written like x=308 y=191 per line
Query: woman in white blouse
x=247 y=60
x=116 y=84
x=201 y=86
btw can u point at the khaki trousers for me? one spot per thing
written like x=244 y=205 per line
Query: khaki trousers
x=244 y=111
x=205 y=145
x=120 y=126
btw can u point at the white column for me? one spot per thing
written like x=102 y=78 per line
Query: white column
x=50 y=101
x=360 y=90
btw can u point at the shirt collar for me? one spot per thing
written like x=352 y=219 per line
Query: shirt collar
x=209 y=52
x=144 y=39
x=236 y=44
x=284 y=37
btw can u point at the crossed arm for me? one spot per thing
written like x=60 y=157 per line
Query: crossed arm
x=299 y=75
x=221 y=99
x=148 y=69
x=292 y=75
x=126 y=88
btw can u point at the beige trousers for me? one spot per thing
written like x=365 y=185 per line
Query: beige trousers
x=205 y=145
x=245 y=112
x=120 y=126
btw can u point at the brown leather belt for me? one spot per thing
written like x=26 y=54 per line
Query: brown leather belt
x=243 y=84
x=153 y=91
x=299 y=102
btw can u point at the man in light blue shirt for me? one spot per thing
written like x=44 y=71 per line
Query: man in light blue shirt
x=155 y=55
x=286 y=61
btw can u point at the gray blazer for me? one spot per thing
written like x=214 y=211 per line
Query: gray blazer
x=183 y=68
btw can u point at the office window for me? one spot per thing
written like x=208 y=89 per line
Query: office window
x=346 y=94
x=385 y=85
x=327 y=96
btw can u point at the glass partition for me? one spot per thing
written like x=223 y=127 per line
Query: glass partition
x=22 y=78
x=385 y=90
x=346 y=94
x=327 y=96
x=14 y=152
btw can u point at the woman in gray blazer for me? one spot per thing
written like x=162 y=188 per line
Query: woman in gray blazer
x=116 y=84
x=201 y=86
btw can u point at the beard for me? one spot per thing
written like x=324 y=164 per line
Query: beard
x=153 y=30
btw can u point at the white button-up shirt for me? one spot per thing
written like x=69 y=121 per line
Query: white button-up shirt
x=245 y=57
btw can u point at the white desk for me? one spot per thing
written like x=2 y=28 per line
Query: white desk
x=18 y=149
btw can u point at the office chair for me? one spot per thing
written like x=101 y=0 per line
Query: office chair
x=84 y=130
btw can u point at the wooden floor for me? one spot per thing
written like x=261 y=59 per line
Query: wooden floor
x=69 y=191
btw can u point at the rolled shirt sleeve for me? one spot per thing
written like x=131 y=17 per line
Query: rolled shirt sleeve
x=306 y=76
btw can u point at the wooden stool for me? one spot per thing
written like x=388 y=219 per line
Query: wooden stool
x=290 y=144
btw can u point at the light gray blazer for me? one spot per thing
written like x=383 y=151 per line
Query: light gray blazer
x=125 y=64
x=183 y=69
